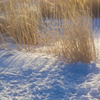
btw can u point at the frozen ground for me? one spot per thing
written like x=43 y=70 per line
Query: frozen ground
x=35 y=76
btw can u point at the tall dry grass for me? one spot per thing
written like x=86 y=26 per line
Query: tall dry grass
x=77 y=43
x=20 y=21
x=72 y=39
x=55 y=8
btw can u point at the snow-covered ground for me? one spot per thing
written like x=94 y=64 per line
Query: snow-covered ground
x=37 y=76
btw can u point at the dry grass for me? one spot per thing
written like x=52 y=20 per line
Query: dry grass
x=93 y=5
x=27 y=28
x=55 y=8
x=77 y=43
x=52 y=9
x=20 y=23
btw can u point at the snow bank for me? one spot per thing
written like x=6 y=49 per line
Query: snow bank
x=35 y=76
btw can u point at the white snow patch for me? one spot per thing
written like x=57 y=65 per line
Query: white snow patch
x=36 y=76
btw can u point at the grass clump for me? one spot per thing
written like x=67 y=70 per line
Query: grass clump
x=20 y=22
x=68 y=34
x=76 y=44
x=55 y=8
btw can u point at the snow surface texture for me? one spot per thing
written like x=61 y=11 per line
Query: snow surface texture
x=35 y=76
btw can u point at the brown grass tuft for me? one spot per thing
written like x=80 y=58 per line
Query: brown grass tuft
x=74 y=42
x=55 y=8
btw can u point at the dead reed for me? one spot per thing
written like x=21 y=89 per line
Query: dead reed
x=72 y=39
x=20 y=23
x=77 y=43
x=55 y=8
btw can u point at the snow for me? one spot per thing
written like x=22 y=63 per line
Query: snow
x=37 y=76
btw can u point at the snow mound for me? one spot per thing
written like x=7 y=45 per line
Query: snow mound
x=35 y=76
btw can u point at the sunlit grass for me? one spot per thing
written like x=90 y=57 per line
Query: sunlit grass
x=71 y=40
